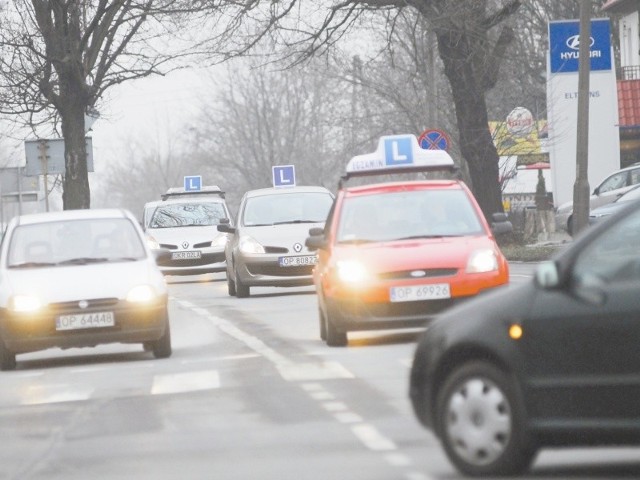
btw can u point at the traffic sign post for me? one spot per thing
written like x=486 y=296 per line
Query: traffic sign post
x=434 y=139
x=193 y=183
x=284 y=176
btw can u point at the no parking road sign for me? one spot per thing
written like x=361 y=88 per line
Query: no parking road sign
x=434 y=140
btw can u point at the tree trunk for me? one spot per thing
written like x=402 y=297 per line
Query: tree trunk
x=476 y=144
x=76 y=194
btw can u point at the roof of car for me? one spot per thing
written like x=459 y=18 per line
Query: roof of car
x=79 y=214
x=181 y=192
x=285 y=190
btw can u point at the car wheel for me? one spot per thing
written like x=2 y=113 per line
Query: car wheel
x=242 y=290
x=335 y=338
x=162 y=346
x=323 y=325
x=570 y=226
x=231 y=286
x=7 y=358
x=481 y=422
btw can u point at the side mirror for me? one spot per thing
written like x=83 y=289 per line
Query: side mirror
x=500 y=224
x=316 y=242
x=547 y=275
x=225 y=226
x=161 y=255
x=316 y=231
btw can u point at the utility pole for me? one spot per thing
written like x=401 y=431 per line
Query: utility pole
x=44 y=159
x=581 y=189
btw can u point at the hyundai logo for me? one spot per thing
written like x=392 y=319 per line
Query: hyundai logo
x=185 y=244
x=573 y=42
x=297 y=247
x=418 y=273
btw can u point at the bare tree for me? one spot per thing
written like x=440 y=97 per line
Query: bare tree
x=57 y=58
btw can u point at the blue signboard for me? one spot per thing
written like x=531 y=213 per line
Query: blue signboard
x=193 y=183
x=564 y=45
x=284 y=176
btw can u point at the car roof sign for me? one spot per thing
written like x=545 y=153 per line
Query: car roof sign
x=398 y=154
x=181 y=192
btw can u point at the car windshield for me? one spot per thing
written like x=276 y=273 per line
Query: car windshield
x=74 y=242
x=287 y=207
x=188 y=214
x=407 y=214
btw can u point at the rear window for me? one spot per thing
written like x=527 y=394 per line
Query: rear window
x=407 y=215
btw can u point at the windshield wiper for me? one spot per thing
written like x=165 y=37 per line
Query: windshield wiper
x=32 y=265
x=417 y=237
x=296 y=221
x=356 y=241
x=83 y=260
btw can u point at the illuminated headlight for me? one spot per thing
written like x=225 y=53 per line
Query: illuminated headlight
x=351 y=271
x=249 y=245
x=25 y=303
x=482 y=261
x=219 y=241
x=141 y=294
x=152 y=243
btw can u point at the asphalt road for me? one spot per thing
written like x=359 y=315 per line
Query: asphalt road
x=249 y=393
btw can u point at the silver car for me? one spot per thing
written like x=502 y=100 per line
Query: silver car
x=187 y=226
x=267 y=248
x=79 y=278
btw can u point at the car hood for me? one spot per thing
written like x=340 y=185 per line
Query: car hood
x=284 y=235
x=608 y=209
x=190 y=236
x=67 y=283
x=433 y=253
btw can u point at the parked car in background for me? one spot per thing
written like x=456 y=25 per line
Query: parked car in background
x=396 y=254
x=606 y=192
x=185 y=222
x=79 y=278
x=600 y=213
x=552 y=362
x=266 y=247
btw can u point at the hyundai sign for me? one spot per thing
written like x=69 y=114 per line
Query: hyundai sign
x=564 y=45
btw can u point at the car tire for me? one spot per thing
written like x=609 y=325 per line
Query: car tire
x=162 y=346
x=323 y=325
x=481 y=423
x=335 y=337
x=7 y=358
x=242 y=290
x=570 y=226
x=231 y=286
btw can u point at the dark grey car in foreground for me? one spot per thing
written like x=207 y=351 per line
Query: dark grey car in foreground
x=549 y=363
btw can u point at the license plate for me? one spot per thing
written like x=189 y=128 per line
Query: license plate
x=298 y=261
x=412 y=293
x=85 y=320
x=190 y=255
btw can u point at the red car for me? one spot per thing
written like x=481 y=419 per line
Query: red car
x=393 y=255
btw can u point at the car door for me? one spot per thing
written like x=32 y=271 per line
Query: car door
x=582 y=341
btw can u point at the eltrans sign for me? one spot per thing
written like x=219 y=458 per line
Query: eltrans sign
x=564 y=44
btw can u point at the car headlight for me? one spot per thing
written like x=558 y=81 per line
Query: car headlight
x=152 y=243
x=141 y=294
x=351 y=271
x=219 y=241
x=250 y=245
x=25 y=303
x=482 y=261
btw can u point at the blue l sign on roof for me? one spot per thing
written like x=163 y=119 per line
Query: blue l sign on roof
x=284 y=176
x=398 y=151
x=193 y=183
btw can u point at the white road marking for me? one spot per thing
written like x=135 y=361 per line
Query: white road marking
x=41 y=394
x=348 y=417
x=372 y=438
x=313 y=371
x=217 y=359
x=322 y=396
x=334 y=406
x=398 y=459
x=185 y=382
x=417 y=476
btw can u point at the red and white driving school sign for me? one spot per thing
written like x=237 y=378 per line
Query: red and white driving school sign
x=434 y=139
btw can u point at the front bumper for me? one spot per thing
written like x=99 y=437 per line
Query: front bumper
x=265 y=270
x=22 y=333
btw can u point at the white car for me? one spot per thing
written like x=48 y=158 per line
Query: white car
x=79 y=278
x=186 y=224
x=266 y=248
x=606 y=192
